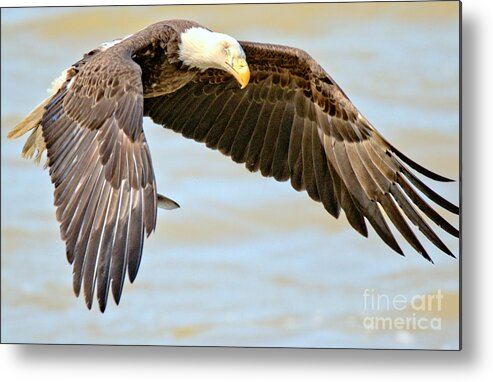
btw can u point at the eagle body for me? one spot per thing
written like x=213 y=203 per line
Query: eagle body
x=272 y=108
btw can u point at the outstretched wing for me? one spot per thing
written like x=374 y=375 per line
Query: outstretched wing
x=293 y=122
x=101 y=168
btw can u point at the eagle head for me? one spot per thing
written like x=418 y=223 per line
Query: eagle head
x=202 y=49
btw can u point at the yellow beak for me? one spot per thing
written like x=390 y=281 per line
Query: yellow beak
x=239 y=69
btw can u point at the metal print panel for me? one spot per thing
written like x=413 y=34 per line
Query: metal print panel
x=355 y=105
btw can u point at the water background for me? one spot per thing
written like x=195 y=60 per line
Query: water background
x=246 y=261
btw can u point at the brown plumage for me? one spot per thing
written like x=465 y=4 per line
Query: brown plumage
x=292 y=122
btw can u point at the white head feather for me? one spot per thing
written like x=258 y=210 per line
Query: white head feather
x=203 y=49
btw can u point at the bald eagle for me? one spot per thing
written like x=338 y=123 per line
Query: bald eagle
x=270 y=107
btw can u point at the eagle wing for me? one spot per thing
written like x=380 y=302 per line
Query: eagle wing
x=293 y=122
x=101 y=168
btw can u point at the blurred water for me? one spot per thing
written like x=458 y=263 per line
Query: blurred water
x=245 y=261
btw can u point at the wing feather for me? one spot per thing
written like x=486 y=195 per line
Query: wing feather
x=239 y=148
x=280 y=168
x=323 y=177
x=94 y=244
x=295 y=155
x=119 y=263
x=226 y=141
x=308 y=171
x=270 y=138
x=256 y=143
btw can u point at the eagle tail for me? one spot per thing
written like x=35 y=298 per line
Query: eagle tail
x=166 y=203
x=35 y=144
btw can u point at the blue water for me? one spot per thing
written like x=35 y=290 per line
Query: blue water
x=246 y=260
